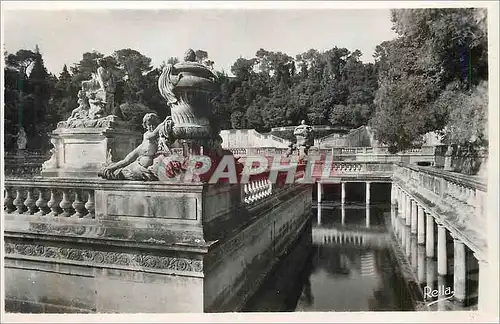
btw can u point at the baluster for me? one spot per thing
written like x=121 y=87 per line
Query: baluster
x=19 y=201
x=257 y=190
x=41 y=203
x=78 y=205
x=65 y=204
x=9 y=201
x=262 y=189
x=90 y=205
x=30 y=202
x=246 y=189
x=252 y=192
x=53 y=204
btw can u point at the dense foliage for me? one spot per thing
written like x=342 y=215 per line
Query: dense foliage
x=432 y=77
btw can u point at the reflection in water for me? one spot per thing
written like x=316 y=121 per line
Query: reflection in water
x=349 y=266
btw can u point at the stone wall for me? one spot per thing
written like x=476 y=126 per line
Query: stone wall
x=149 y=248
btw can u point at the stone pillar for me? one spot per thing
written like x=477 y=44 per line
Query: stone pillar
x=398 y=201
x=408 y=210
x=408 y=241
x=343 y=214
x=486 y=300
x=430 y=278
x=459 y=270
x=319 y=213
x=393 y=194
x=429 y=237
x=421 y=264
x=421 y=225
x=367 y=216
x=402 y=230
x=342 y=193
x=414 y=253
x=403 y=205
x=441 y=282
x=320 y=191
x=367 y=193
x=442 y=261
x=413 y=204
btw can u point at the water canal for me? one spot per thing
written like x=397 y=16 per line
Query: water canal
x=350 y=259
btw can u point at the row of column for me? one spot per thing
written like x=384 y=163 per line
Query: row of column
x=342 y=201
x=342 y=192
x=409 y=218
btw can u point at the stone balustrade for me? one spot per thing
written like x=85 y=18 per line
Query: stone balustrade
x=257 y=190
x=460 y=198
x=344 y=167
x=49 y=197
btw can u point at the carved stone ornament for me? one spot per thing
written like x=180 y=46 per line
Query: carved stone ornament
x=104 y=257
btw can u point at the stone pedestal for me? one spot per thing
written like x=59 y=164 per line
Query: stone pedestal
x=82 y=152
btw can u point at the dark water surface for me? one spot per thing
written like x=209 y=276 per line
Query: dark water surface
x=337 y=265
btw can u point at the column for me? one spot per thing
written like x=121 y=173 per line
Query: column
x=367 y=216
x=430 y=278
x=414 y=253
x=403 y=205
x=393 y=194
x=408 y=210
x=342 y=193
x=421 y=225
x=343 y=214
x=442 y=261
x=486 y=300
x=413 y=216
x=320 y=191
x=441 y=281
x=408 y=244
x=402 y=230
x=421 y=264
x=319 y=213
x=429 y=236
x=367 y=193
x=459 y=270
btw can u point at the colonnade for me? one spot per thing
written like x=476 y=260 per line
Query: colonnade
x=320 y=192
x=412 y=223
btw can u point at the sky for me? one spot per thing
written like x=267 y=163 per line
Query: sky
x=64 y=35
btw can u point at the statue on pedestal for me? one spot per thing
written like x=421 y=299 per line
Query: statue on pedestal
x=95 y=101
x=22 y=139
x=187 y=88
x=305 y=139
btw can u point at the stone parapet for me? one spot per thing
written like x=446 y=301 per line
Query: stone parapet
x=90 y=245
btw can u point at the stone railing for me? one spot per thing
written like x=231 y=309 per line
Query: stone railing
x=50 y=197
x=259 y=186
x=460 y=198
x=256 y=190
x=345 y=167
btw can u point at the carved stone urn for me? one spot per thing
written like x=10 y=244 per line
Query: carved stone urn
x=188 y=88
